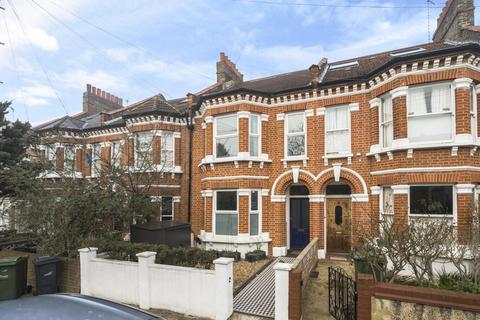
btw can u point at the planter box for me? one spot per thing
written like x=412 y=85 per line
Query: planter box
x=255 y=256
x=230 y=254
x=362 y=266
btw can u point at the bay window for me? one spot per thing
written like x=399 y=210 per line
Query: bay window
x=254 y=224
x=295 y=134
x=226 y=213
x=434 y=200
x=226 y=136
x=337 y=130
x=430 y=113
x=96 y=159
x=254 y=135
x=386 y=121
x=143 y=150
x=167 y=150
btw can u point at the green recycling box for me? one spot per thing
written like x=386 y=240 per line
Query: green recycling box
x=13 y=277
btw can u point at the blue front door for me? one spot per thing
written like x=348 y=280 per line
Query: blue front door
x=299 y=223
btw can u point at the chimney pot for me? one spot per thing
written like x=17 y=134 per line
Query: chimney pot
x=99 y=92
x=108 y=96
x=120 y=101
x=89 y=88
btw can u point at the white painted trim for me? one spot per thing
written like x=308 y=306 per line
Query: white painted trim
x=309 y=113
x=207 y=193
x=264 y=117
x=243 y=192
x=277 y=198
x=321 y=111
x=400 y=189
x=399 y=92
x=359 y=197
x=424 y=169
x=316 y=198
x=375 y=102
x=235 y=178
x=279 y=251
x=208 y=119
x=243 y=114
x=354 y=106
x=461 y=83
x=464 y=188
x=375 y=190
x=280 y=116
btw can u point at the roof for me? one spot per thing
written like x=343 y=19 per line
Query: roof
x=367 y=65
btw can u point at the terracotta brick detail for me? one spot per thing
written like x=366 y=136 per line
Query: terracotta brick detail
x=79 y=162
x=462 y=110
x=400 y=117
x=59 y=158
x=365 y=291
x=400 y=207
x=374 y=125
x=87 y=162
x=156 y=149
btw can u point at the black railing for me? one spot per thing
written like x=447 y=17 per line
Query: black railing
x=342 y=294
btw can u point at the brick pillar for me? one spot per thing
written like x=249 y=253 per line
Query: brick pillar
x=79 y=160
x=277 y=141
x=156 y=149
x=243 y=212
x=464 y=210
x=87 y=162
x=209 y=135
x=243 y=131
x=365 y=290
x=462 y=105
x=316 y=218
x=131 y=151
x=177 y=152
x=278 y=228
x=399 y=104
x=374 y=120
x=124 y=153
x=208 y=213
x=478 y=109
x=295 y=294
x=400 y=203
x=265 y=136
x=375 y=205
x=59 y=158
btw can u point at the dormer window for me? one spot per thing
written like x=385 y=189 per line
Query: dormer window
x=226 y=136
x=345 y=65
x=407 y=52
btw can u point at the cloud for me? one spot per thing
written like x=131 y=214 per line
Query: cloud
x=41 y=39
x=78 y=78
x=121 y=54
x=33 y=95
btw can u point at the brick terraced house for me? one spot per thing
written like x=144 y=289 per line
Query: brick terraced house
x=271 y=163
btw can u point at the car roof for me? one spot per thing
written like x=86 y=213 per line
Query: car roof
x=69 y=306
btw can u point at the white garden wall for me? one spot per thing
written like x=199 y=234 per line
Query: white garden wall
x=197 y=292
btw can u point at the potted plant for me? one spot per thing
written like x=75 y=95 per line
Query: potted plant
x=369 y=259
x=255 y=255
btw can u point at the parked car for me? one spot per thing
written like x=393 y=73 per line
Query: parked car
x=69 y=306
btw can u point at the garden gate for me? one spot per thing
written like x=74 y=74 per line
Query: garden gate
x=342 y=294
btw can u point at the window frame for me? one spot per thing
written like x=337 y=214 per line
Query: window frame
x=137 y=144
x=161 y=208
x=258 y=212
x=215 y=212
x=452 y=217
x=67 y=167
x=164 y=150
x=96 y=158
x=286 y=134
x=382 y=124
x=53 y=149
x=382 y=200
x=325 y=132
x=116 y=158
x=215 y=136
x=427 y=115
x=258 y=134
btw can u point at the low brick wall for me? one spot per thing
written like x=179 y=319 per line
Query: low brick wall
x=298 y=277
x=69 y=271
x=394 y=301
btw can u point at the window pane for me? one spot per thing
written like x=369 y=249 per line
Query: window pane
x=337 y=118
x=296 y=145
x=167 y=207
x=433 y=128
x=254 y=146
x=226 y=200
x=254 y=224
x=431 y=200
x=427 y=100
x=254 y=201
x=295 y=123
x=253 y=124
x=226 y=224
x=387 y=112
x=387 y=134
x=167 y=141
x=227 y=125
x=337 y=141
x=167 y=159
x=227 y=147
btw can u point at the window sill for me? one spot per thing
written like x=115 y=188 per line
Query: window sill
x=238 y=239
x=157 y=168
x=288 y=159
x=338 y=156
x=241 y=157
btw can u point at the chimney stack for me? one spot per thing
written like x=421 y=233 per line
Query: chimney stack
x=456 y=22
x=227 y=71
x=315 y=70
x=96 y=100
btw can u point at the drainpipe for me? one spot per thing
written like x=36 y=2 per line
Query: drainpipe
x=190 y=156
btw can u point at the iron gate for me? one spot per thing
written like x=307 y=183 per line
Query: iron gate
x=342 y=294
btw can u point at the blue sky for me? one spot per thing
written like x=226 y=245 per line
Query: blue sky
x=171 y=46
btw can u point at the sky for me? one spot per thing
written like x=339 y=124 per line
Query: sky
x=136 y=49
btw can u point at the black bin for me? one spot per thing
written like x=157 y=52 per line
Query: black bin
x=46 y=274
x=171 y=233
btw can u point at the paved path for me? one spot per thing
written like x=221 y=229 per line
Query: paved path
x=315 y=298
x=258 y=297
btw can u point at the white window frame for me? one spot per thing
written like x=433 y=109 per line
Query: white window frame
x=452 y=112
x=349 y=151
x=163 y=150
x=286 y=135
x=68 y=168
x=473 y=112
x=95 y=158
x=381 y=123
x=215 y=211
x=215 y=137
x=257 y=212
x=53 y=150
x=159 y=199
x=137 y=137
x=114 y=158
x=453 y=217
x=258 y=134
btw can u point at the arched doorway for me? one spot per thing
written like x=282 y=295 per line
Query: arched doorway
x=339 y=217
x=299 y=217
